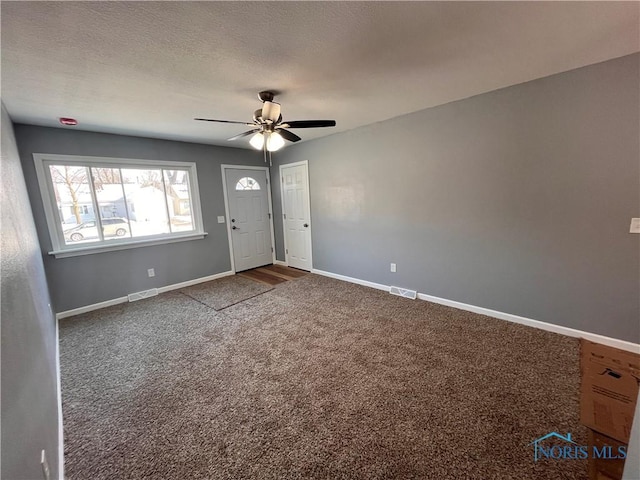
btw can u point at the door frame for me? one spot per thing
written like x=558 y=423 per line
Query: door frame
x=308 y=212
x=224 y=167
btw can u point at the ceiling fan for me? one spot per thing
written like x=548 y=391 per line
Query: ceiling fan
x=269 y=131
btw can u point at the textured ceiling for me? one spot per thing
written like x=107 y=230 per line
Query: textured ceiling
x=148 y=68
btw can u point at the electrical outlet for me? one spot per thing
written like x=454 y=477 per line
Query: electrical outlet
x=635 y=225
x=221 y=219
x=151 y=272
x=393 y=267
x=46 y=474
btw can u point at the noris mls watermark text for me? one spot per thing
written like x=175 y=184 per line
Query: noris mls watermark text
x=554 y=446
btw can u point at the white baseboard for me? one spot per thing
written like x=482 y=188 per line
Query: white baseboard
x=550 y=327
x=125 y=299
x=571 y=332
x=188 y=283
x=377 y=286
x=90 y=308
x=280 y=262
x=59 y=399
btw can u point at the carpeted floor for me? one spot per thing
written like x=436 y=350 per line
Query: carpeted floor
x=316 y=378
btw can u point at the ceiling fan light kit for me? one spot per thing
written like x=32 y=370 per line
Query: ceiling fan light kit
x=268 y=130
x=257 y=141
x=274 y=141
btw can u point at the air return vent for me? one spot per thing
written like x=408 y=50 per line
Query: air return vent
x=152 y=292
x=403 y=292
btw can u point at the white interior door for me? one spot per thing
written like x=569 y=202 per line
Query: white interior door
x=248 y=202
x=296 y=215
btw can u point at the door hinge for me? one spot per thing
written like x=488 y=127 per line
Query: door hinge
x=271 y=249
x=285 y=215
x=287 y=251
x=269 y=215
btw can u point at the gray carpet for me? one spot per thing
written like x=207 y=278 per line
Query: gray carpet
x=226 y=291
x=314 y=379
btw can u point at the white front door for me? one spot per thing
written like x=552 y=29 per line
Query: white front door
x=248 y=201
x=296 y=215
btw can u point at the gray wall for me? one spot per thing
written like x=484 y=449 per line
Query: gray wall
x=89 y=279
x=29 y=376
x=518 y=200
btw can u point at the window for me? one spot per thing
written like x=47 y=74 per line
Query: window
x=247 y=183
x=97 y=204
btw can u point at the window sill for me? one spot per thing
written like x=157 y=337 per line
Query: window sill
x=74 y=252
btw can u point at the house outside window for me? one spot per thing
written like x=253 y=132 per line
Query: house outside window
x=95 y=203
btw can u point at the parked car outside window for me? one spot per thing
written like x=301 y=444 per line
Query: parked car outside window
x=112 y=227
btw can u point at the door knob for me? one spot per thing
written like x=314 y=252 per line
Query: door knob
x=305 y=225
x=234 y=228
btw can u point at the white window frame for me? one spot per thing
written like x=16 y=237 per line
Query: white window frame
x=61 y=249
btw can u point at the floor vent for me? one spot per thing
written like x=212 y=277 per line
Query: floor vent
x=152 y=292
x=403 y=292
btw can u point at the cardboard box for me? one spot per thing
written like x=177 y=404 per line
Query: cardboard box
x=601 y=476
x=609 y=389
x=604 y=468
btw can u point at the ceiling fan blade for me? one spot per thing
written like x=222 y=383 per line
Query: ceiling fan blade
x=309 y=123
x=243 y=134
x=222 y=121
x=271 y=111
x=287 y=135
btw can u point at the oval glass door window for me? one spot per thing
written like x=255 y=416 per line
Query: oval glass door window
x=247 y=183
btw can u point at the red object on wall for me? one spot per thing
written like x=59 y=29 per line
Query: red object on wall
x=68 y=121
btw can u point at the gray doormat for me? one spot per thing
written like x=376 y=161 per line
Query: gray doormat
x=224 y=292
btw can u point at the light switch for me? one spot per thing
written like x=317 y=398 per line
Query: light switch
x=635 y=225
x=221 y=219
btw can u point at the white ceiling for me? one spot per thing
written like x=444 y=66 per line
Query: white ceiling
x=148 y=68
